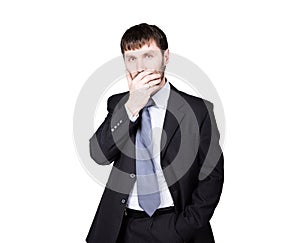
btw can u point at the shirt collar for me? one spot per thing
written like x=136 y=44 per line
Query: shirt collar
x=161 y=96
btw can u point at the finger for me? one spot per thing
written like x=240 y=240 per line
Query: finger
x=154 y=82
x=151 y=77
x=141 y=75
x=143 y=87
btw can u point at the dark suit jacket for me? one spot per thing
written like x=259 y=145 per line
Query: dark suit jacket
x=191 y=158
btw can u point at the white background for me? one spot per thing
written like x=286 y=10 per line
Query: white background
x=249 y=49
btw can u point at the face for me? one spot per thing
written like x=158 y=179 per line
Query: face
x=148 y=57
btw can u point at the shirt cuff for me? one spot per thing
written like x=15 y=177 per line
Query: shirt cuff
x=130 y=115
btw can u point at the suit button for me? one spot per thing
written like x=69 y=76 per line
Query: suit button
x=132 y=175
x=123 y=201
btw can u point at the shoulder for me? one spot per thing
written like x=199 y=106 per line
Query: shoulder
x=114 y=99
x=198 y=104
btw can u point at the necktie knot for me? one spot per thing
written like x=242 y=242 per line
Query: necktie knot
x=150 y=103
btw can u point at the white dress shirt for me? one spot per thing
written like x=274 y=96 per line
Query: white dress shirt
x=157 y=114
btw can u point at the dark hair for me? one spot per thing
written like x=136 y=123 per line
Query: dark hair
x=139 y=35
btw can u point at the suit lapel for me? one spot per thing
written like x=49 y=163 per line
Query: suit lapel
x=173 y=117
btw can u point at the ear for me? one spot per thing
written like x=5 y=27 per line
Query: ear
x=166 y=56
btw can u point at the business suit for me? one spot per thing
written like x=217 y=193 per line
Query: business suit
x=190 y=142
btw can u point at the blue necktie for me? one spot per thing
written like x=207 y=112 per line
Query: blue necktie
x=147 y=184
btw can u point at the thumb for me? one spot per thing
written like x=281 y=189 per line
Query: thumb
x=128 y=76
x=129 y=79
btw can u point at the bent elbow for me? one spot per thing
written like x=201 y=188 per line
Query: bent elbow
x=96 y=152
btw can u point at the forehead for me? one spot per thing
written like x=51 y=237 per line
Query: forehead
x=151 y=47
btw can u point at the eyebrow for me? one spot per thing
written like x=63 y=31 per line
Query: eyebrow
x=129 y=56
x=151 y=52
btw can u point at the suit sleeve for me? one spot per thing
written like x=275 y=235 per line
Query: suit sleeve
x=108 y=141
x=206 y=195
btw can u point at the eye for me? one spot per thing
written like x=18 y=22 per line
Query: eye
x=131 y=59
x=148 y=56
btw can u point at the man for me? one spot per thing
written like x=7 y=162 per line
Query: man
x=167 y=173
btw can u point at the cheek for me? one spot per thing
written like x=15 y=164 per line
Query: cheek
x=131 y=67
x=154 y=64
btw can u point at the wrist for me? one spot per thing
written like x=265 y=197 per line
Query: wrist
x=131 y=108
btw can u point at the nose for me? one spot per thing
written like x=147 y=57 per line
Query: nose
x=140 y=66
